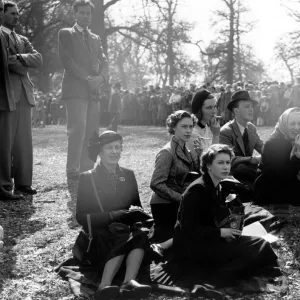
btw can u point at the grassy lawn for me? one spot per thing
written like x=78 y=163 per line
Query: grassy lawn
x=40 y=231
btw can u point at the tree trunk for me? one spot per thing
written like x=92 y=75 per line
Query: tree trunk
x=238 y=43
x=170 y=51
x=230 y=54
x=98 y=24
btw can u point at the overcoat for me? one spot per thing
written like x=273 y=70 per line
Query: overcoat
x=198 y=239
x=278 y=182
x=115 y=198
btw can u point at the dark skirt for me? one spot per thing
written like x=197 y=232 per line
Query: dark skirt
x=243 y=256
x=108 y=245
x=165 y=216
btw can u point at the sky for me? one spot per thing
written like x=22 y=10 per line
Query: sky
x=272 y=22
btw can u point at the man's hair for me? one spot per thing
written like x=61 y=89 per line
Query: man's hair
x=79 y=3
x=8 y=4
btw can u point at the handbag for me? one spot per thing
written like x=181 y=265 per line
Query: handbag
x=82 y=247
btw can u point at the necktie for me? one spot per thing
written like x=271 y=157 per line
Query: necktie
x=86 y=37
x=246 y=142
x=15 y=38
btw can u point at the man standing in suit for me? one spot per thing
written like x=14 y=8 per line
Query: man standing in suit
x=21 y=57
x=241 y=135
x=7 y=105
x=114 y=107
x=86 y=70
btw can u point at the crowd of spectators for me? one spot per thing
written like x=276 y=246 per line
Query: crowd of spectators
x=150 y=105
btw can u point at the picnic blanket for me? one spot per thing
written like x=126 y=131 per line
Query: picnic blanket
x=168 y=276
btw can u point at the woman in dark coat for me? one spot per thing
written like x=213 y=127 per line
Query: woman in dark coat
x=280 y=179
x=105 y=195
x=198 y=238
x=172 y=164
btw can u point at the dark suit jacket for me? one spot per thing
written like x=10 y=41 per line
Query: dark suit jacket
x=18 y=70
x=230 y=135
x=78 y=59
x=126 y=195
x=7 y=102
x=171 y=165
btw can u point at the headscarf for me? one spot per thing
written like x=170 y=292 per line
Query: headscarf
x=282 y=126
x=98 y=141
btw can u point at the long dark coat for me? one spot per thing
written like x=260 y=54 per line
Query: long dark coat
x=278 y=182
x=113 y=201
x=197 y=238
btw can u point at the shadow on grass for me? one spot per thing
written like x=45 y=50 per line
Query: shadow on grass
x=15 y=219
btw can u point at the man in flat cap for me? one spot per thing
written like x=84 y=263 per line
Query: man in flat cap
x=241 y=135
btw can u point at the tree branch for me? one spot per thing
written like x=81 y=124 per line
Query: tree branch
x=109 y=3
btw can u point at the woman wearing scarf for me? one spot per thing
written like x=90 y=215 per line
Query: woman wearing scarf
x=280 y=179
x=105 y=196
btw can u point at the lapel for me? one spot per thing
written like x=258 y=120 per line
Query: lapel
x=81 y=40
x=238 y=135
x=179 y=152
x=10 y=43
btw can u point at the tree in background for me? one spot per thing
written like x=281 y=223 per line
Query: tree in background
x=227 y=58
x=287 y=48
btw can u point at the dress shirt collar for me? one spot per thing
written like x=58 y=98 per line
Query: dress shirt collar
x=6 y=30
x=79 y=28
x=241 y=127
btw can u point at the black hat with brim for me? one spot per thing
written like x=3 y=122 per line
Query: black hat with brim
x=98 y=141
x=240 y=96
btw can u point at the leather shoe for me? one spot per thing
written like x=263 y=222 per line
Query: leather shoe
x=107 y=292
x=25 y=189
x=6 y=196
x=132 y=289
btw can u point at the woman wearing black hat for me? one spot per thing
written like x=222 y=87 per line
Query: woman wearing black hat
x=207 y=130
x=105 y=195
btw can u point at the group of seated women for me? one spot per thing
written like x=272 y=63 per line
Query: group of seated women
x=185 y=203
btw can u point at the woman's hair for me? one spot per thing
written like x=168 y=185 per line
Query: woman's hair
x=209 y=156
x=176 y=117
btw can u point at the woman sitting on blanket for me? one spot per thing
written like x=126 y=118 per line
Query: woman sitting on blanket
x=105 y=195
x=171 y=176
x=200 y=236
x=280 y=179
x=207 y=129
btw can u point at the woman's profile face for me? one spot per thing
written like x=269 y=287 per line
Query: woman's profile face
x=209 y=109
x=220 y=167
x=111 y=153
x=293 y=125
x=183 y=129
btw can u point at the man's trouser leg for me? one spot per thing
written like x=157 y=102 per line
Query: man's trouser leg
x=76 y=110
x=92 y=124
x=22 y=150
x=5 y=151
